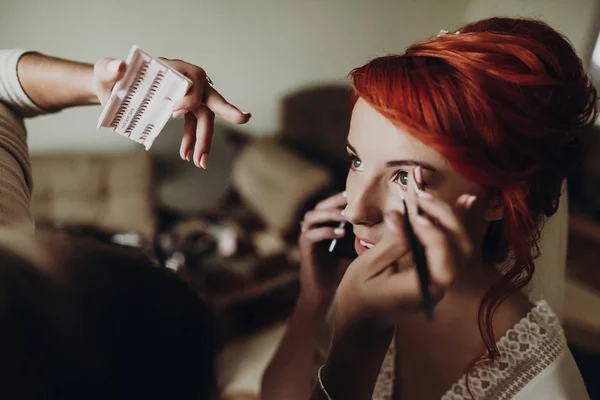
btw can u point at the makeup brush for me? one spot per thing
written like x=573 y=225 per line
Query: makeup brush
x=418 y=251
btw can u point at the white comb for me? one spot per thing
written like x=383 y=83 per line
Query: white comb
x=141 y=102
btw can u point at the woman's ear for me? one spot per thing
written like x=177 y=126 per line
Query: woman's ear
x=494 y=207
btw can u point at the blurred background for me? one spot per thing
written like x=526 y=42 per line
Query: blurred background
x=231 y=229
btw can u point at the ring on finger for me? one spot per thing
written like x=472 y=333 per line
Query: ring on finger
x=209 y=81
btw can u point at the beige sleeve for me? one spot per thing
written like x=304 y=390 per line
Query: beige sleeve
x=15 y=170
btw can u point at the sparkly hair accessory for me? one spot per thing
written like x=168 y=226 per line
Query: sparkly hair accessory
x=443 y=32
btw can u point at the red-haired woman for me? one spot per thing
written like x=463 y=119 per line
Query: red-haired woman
x=488 y=120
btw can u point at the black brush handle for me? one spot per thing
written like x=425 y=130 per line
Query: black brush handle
x=418 y=253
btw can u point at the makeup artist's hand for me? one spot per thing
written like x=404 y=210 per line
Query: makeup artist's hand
x=380 y=284
x=107 y=72
x=320 y=272
x=199 y=105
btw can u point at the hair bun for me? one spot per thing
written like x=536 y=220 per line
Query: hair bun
x=555 y=99
x=570 y=103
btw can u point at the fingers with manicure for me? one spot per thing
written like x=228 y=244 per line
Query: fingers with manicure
x=199 y=106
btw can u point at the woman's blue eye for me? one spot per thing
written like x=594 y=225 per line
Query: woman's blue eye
x=402 y=178
x=354 y=162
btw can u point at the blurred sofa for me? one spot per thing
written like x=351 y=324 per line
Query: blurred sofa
x=112 y=192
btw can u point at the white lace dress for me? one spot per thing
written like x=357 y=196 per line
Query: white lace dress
x=534 y=363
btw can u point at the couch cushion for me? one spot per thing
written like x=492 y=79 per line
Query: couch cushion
x=109 y=191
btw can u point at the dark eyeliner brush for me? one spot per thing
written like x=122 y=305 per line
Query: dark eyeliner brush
x=418 y=253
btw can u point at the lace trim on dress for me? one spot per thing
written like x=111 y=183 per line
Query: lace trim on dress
x=525 y=350
x=384 y=387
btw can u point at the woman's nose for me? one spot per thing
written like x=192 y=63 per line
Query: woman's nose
x=363 y=207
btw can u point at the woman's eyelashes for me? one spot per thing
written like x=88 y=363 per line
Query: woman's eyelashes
x=401 y=178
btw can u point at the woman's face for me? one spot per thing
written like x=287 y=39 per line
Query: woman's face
x=382 y=160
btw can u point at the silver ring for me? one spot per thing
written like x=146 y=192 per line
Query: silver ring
x=209 y=81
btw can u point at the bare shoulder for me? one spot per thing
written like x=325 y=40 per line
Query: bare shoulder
x=510 y=312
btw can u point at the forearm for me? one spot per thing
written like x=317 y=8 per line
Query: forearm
x=354 y=362
x=288 y=376
x=54 y=84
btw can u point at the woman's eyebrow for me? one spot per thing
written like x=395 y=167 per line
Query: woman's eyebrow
x=348 y=145
x=400 y=163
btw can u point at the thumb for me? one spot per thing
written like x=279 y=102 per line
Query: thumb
x=107 y=72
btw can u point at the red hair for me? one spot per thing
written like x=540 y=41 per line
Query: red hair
x=505 y=102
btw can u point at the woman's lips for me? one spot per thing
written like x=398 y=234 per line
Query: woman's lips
x=361 y=245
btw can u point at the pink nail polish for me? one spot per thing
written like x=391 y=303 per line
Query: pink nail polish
x=204 y=160
x=179 y=113
x=470 y=201
x=418 y=183
x=419 y=175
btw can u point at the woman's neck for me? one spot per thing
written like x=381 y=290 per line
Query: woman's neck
x=444 y=347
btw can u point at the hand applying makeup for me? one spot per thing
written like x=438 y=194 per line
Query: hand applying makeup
x=380 y=283
x=416 y=248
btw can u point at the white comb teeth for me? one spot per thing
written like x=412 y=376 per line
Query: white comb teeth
x=141 y=102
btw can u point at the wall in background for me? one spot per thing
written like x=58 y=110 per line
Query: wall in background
x=579 y=20
x=595 y=63
x=254 y=50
